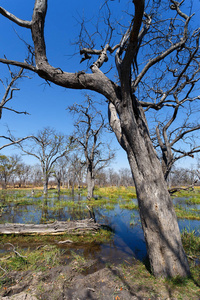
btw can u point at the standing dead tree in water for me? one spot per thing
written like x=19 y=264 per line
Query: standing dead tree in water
x=177 y=143
x=146 y=29
x=75 y=170
x=47 y=146
x=89 y=126
x=60 y=171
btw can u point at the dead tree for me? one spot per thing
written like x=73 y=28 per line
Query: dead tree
x=89 y=126
x=175 y=99
x=126 y=113
x=76 y=170
x=56 y=228
x=60 y=171
x=47 y=146
x=177 y=143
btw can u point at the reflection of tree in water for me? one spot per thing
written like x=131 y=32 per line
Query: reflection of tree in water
x=54 y=209
x=77 y=213
x=91 y=212
x=44 y=214
x=3 y=198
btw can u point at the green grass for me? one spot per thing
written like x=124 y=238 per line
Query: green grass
x=116 y=192
x=191 y=194
x=191 y=244
x=39 y=259
x=106 y=198
x=193 y=200
x=135 y=274
x=129 y=205
x=187 y=214
x=44 y=254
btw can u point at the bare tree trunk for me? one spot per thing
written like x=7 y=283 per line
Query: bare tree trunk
x=45 y=184
x=159 y=222
x=90 y=185
x=58 y=185
x=167 y=162
x=4 y=185
x=73 y=187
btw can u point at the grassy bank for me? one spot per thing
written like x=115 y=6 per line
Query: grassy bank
x=47 y=262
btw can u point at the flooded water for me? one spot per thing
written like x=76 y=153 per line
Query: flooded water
x=189 y=207
x=127 y=243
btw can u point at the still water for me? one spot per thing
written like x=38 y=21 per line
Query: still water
x=128 y=240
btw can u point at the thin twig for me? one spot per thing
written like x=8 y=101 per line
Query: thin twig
x=16 y=252
x=3 y=269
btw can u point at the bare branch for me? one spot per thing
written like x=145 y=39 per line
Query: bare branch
x=13 y=142
x=167 y=52
x=13 y=18
x=10 y=89
x=16 y=111
x=18 y=64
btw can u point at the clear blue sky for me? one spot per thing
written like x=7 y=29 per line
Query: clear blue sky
x=47 y=105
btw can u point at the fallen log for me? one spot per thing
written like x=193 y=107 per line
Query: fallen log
x=56 y=228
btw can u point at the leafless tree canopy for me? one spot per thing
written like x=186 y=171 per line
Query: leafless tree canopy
x=47 y=146
x=159 y=36
x=90 y=126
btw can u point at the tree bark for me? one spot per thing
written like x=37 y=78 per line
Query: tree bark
x=45 y=186
x=58 y=185
x=4 y=184
x=45 y=183
x=58 y=227
x=159 y=222
x=90 y=185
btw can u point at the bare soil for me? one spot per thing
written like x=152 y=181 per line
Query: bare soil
x=81 y=281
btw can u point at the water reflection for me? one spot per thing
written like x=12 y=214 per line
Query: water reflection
x=181 y=201
x=128 y=241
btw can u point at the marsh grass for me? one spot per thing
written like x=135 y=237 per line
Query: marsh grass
x=192 y=196
x=193 y=200
x=109 y=206
x=116 y=192
x=107 y=198
x=129 y=205
x=46 y=256
x=187 y=214
x=191 y=244
x=78 y=262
